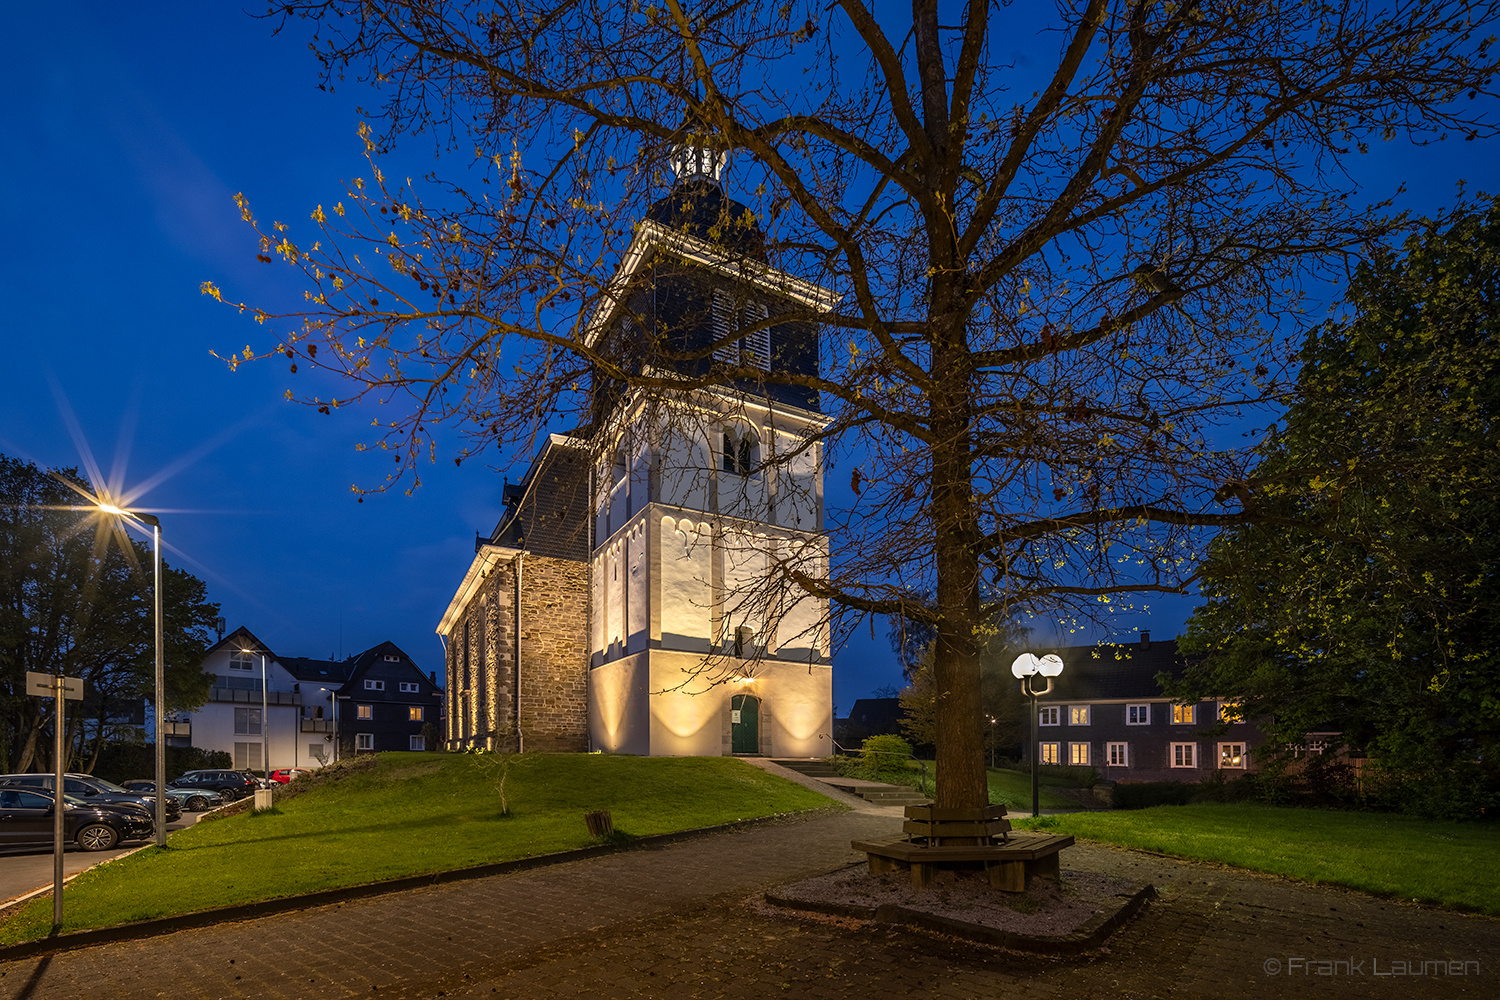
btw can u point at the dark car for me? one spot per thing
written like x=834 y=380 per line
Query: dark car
x=26 y=820
x=231 y=784
x=189 y=799
x=91 y=789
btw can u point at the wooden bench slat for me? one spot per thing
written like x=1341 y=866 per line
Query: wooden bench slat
x=951 y=828
x=1029 y=849
x=943 y=814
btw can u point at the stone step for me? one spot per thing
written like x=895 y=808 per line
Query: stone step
x=811 y=767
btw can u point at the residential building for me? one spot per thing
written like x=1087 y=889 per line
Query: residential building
x=1106 y=710
x=297 y=710
x=634 y=597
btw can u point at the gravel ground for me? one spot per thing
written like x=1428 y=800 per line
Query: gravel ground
x=1048 y=908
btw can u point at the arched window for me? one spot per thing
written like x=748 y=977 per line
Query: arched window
x=741 y=450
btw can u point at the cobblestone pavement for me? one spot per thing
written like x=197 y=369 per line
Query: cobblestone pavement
x=686 y=921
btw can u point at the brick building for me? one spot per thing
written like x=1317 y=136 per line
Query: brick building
x=634 y=596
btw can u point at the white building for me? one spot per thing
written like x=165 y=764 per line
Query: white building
x=706 y=506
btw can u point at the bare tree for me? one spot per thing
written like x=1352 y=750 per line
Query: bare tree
x=1048 y=288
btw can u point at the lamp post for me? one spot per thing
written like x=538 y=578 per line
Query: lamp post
x=1027 y=668
x=161 y=749
x=265 y=752
x=333 y=702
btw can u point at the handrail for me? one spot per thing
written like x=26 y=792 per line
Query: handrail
x=888 y=753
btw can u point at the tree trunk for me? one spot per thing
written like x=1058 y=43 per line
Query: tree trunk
x=960 y=748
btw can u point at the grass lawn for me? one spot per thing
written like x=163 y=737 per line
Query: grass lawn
x=411 y=814
x=1397 y=855
x=1012 y=789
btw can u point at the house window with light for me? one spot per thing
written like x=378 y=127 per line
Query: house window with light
x=364 y=712
x=1182 y=755
x=414 y=714
x=1047 y=753
x=1229 y=711
x=1078 y=715
x=1078 y=753
x=1049 y=716
x=1137 y=715
x=1232 y=755
x=1117 y=755
x=1183 y=715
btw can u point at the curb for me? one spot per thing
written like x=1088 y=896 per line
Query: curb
x=325 y=897
x=1088 y=938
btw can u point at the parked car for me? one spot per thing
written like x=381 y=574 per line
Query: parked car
x=189 y=799
x=91 y=789
x=26 y=820
x=231 y=784
x=283 y=775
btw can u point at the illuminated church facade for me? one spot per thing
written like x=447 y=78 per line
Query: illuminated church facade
x=639 y=595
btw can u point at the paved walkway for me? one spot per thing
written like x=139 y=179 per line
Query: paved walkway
x=685 y=921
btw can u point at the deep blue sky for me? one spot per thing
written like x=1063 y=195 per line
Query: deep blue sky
x=126 y=131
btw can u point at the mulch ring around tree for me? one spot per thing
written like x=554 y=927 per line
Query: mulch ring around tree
x=1069 y=915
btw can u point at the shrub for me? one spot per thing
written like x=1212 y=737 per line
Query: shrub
x=1145 y=794
x=887 y=755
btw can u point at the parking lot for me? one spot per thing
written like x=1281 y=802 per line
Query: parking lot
x=25 y=869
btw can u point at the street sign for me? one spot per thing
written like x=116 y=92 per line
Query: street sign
x=41 y=685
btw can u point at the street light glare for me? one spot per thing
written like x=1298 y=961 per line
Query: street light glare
x=110 y=508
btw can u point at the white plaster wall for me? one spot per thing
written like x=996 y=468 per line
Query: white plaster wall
x=802 y=625
x=741 y=496
x=213 y=729
x=746 y=588
x=601 y=501
x=800 y=698
x=637 y=588
x=798 y=495
x=598 y=609
x=640 y=474
x=686 y=708
x=614 y=595
x=687 y=713
x=686 y=597
x=687 y=467
x=619 y=706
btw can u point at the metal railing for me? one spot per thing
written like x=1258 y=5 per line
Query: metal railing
x=864 y=754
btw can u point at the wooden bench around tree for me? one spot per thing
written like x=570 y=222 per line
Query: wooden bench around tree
x=965 y=838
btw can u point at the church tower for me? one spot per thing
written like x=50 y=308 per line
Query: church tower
x=707 y=496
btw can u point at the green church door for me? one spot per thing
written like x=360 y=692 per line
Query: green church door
x=744 y=723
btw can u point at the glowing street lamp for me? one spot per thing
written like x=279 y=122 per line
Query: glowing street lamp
x=1027 y=668
x=161 y=747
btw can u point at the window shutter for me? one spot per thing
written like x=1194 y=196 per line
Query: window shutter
x=722 y=322
x=757 y=343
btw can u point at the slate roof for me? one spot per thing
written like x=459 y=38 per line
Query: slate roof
x=699 y=207
x=881 y=715
x=547 y=512
x=311 y=671
x=1115 y=671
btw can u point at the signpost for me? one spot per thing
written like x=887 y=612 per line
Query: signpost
x=63 y=689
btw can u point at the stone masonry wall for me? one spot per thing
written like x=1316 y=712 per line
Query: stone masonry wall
x=554 y=655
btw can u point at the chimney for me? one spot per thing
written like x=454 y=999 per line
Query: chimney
x=1145 y=638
